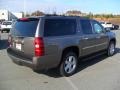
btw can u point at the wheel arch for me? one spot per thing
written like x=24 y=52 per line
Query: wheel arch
x=73 y=49
x=113 y=40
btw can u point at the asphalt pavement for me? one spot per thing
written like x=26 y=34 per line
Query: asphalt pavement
x=101 y=73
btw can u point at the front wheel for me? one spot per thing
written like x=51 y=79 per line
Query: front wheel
x=69 y=64
x=111 y=49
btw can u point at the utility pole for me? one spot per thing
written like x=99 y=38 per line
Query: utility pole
x=24 y=8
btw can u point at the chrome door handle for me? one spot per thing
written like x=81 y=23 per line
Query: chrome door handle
x=85 y=38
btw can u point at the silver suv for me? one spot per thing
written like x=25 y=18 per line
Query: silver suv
x=57 y=41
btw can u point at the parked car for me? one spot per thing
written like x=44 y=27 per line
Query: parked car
x=107 y=25
x=6 y=26
x=115 y=27
x=57 y=41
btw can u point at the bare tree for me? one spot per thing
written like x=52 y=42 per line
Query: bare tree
x=37 y=13
x=74 y=13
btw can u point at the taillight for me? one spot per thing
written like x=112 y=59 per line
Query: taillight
x=39 y=46
x=24 y=19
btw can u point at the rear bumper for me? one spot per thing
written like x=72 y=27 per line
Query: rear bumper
x=36 y=63
x=5 y=29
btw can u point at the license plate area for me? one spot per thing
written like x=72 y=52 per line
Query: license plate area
x=18 y=46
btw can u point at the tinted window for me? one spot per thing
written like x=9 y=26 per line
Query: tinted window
x=25 y=28
x=108 y=23
x=97 y=27
x=59 y=27
x=86 y=27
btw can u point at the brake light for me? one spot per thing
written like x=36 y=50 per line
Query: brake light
x=39 y=46
x=24 y=19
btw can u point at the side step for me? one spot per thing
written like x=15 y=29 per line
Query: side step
x=92 y=56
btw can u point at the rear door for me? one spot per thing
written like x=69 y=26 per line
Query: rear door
x=22 y=35
x=88 y=42
x=59 y=33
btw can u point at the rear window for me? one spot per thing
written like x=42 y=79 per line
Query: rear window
x=26 y=28
x=59 y=27
x=108 y=23
x=7 y=23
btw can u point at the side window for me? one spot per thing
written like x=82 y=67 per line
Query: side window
x=86 y=27
x=59 y=27
x=97 y=27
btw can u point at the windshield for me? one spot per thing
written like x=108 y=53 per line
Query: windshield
x=25 y=28
x=7 y=23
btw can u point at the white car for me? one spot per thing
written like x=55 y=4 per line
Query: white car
x=107 y=25
x=6 y=26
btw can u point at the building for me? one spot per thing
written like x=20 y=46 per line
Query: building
x=75 y=13
x=7 y=15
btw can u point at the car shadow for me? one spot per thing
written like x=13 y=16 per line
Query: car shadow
x=81 y=66
x=3 y=44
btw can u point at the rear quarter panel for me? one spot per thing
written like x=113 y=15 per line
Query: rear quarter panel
x=54 y=46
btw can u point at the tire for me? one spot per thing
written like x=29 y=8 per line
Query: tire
x=7 y=31
x=1 y=31
x=69 y=64
x=111 y=49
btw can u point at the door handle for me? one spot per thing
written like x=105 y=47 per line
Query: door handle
x=85 y=38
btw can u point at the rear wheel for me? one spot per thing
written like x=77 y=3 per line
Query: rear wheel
x=8 y=31
x=1 y=31
x=69 y=64
x=111 y=49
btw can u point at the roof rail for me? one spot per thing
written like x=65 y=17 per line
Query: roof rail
x=53 y=15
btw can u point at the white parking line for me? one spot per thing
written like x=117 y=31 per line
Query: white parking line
x=71 y=83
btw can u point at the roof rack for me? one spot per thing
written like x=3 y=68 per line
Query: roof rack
x=61 y=15
x=53 y=15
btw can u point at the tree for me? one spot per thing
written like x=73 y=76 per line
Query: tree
x=74 y=13
x=90 y=15
x=27 y=15
x=37 y=13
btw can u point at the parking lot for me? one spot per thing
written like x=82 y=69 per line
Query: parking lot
x=100 y=73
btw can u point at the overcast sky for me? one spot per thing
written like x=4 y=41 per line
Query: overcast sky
x=95 y=6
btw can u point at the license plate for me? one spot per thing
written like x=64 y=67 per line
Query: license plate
x=18 y=46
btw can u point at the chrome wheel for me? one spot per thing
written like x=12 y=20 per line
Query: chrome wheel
x=112 y=48
x=70 y=64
